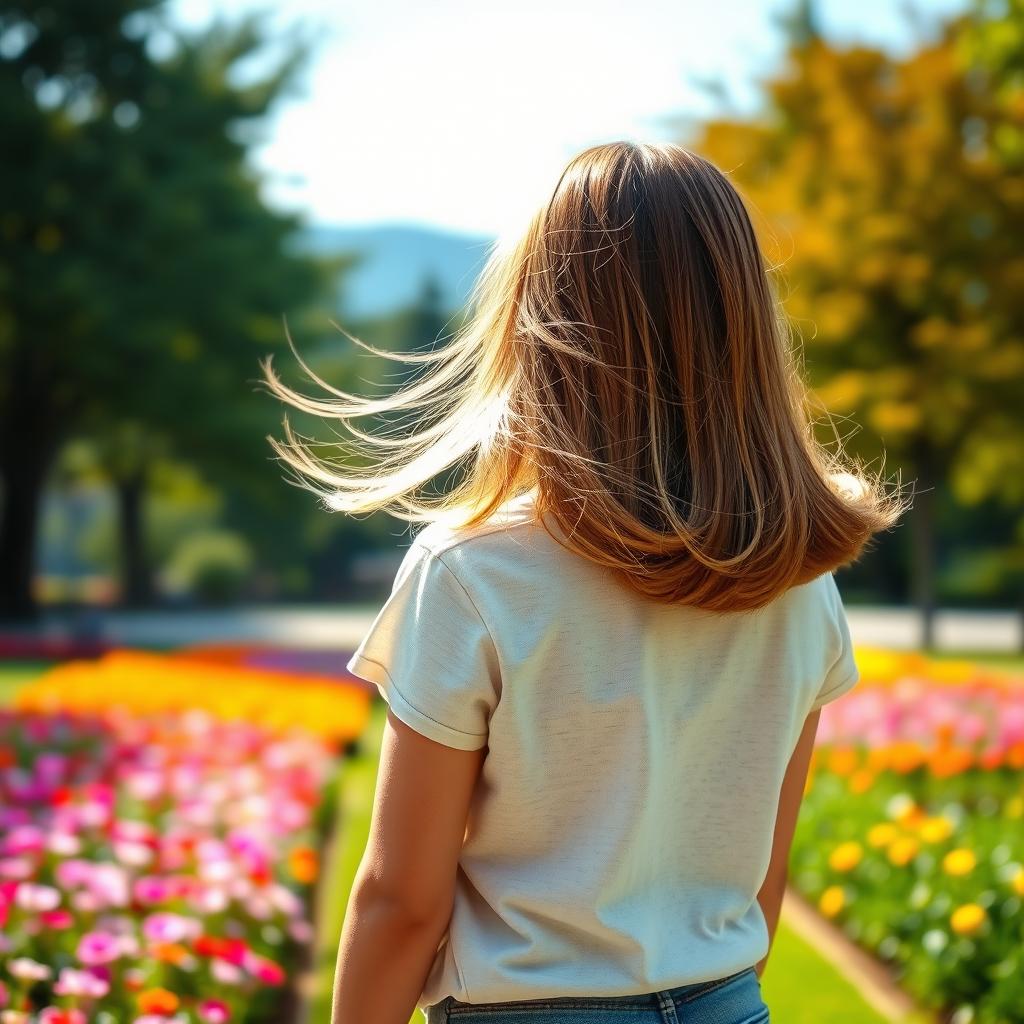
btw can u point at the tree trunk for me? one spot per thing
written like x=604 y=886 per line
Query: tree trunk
x=23 y=467
x=136 y=579
x=922 y=522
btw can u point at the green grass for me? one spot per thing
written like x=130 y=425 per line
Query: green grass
x=355 y=804
x=14 y=673
x=802 y=988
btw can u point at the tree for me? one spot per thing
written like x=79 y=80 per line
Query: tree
x=143 y=276
x=892 y=197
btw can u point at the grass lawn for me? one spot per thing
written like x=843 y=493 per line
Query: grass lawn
x=14 y=673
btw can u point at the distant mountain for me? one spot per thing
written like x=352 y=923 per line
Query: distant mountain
x=396 y=259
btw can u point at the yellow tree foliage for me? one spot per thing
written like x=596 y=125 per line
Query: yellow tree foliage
x=889 y=194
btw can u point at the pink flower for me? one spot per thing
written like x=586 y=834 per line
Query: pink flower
x=226 y=973
x=150 y=889
x=83 y=984
x=264 y=969
x=63 y=843
x=135 y=832
x=57 y=920
x=73 y=873
x=109 y=883
x=24 y=839
x=26 y=969
x=53 y=1015
x=37 y=898
x=214 y=1011
x=16 y=867
x=168 y=927
x=98 y=948
x=135 y=855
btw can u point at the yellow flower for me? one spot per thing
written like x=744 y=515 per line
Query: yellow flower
x=1015 y=807
x=845 y=856
x=959 y=862
x=967 y=919
x=882 y=834
x=935 y=830
x=903 y=850
x=832 y=900
x=1018 y=882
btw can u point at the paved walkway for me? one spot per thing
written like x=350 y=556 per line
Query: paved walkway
x=318 y=627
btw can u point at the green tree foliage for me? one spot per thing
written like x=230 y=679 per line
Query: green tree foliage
x=142 y=275
x=892 y=194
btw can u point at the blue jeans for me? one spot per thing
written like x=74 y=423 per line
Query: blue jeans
x=734 y=999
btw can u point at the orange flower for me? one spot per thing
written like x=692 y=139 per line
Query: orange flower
x=861 y=780
x=991 y=759
x=878 y=759
x=966 y=920
x=910 y=814
x=158 y=1001
x=949 y=761
x=169 y=952
x=905 y=756
x=843 y=760
x=304 y=864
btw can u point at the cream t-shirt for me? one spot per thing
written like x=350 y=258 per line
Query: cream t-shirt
x=622 y=823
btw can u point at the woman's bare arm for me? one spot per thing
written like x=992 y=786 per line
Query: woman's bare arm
x=790 y=798
x=402 y=897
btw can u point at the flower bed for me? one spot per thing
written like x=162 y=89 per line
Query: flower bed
x=146 y=682
x=159 y=842
x=912 y=831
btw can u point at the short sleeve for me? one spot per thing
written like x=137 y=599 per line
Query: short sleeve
x=843 y=672
x=431 y=655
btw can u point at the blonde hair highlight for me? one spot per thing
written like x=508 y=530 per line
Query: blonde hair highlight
x=628 y=360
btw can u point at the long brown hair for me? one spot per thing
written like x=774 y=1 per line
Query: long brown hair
x=627 y=359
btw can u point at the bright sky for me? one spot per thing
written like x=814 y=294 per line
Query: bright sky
x=460 y=114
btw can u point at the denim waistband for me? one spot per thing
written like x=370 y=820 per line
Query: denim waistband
x=732 y=999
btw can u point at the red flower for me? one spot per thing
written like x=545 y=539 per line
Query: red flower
x=234 y=951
